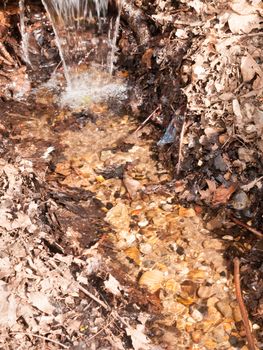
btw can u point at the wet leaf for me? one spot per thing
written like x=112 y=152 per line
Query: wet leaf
x=113 y=286
x=152 y=280
x=134 y=254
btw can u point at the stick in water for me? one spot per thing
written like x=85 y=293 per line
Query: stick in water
x=243 y=310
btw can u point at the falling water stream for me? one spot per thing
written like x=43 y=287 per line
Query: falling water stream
x=86 y=33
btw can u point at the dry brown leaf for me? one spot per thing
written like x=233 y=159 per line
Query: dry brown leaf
x=222 y=194
x=147 y=58
x=41 y=302
x=112 y=285
x=139 y=339
x=134 y=254
x=152 y=280
x=218 y=195
x=249 y=68
x=240 y=24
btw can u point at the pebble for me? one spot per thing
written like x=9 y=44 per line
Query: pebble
x=237 y=314
x=228 y=238
x=240 y=201
x=143 y=223
x=212 y=244
x=145 y=248
x=219 y=334
x=205 y=292
x=224 y=308
x=196 y=336
x=197 y=316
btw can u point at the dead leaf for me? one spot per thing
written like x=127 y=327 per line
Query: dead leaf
x=41 y=302
x=219 y=195
x=152 y=280
x=240 y=24
x=147 y=58
x=139 y=340
x=249 y=68
x=222 y=194
x=113 y=286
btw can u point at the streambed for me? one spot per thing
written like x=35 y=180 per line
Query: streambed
x=88 y=206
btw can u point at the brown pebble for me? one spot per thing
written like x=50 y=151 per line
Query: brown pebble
x=196 y=336
x=224 y=308
x=204 y=292
x=237 y=314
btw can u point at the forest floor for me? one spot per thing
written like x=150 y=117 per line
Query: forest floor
x=122 y=235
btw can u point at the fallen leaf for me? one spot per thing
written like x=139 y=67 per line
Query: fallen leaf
x=152 y=280
x=112 y=285
x=139 y=340
x=134 y=254
x=240 y=24
x=222 y=194
x=41 y=302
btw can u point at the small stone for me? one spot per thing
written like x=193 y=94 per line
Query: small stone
x=240 y=201
x=197 y=316
x=205 y=292
x=143 y=223
x=167 y=207
x=224 y=308
x=145 y=248
x=212 y=244
x=196 y=336
x=219 y=334
x=237 y=314
x=228 y=238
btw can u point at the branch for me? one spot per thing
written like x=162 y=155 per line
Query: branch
x=243 y=310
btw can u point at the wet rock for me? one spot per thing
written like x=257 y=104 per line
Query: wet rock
x=196 y=336
x=152 y=280
x=219 y=163
x=240 y=201
x=224 y=308
x=219 y=334
x=119 y=217
x=197 y=316
x=205 y=292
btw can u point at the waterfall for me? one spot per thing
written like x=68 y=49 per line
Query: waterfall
x=24 y=34
x=86 y=33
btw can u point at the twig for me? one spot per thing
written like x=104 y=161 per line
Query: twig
x=101 y=330
x=84 y=290
x=147 y=119
x=180 y=155
x=242 y=307
x=42 y=337
x=249 y=228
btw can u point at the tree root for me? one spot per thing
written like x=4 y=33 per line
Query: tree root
x=137 y=22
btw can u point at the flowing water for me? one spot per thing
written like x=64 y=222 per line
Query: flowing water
x=86 y=33
x=24 y=34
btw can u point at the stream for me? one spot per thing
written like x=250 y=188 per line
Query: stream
x=101 y=255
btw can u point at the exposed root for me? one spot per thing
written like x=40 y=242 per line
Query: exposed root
x=137 y=22
x=243 y=310
x=249 y=228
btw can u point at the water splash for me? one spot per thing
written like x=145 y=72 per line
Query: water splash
x=24 y=34
x=86 y=33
